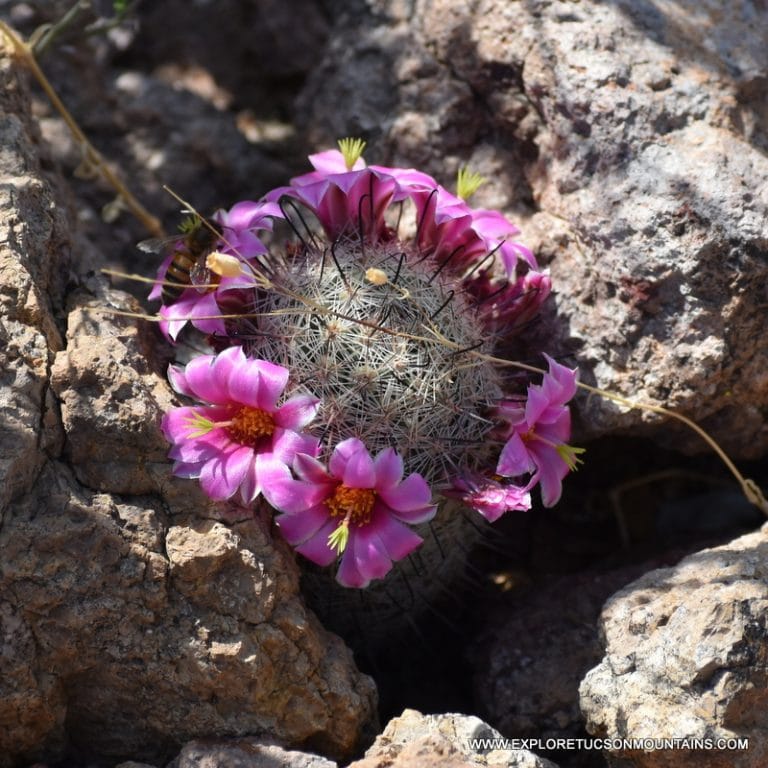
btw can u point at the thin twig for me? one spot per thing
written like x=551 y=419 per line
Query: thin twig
x=91 y=155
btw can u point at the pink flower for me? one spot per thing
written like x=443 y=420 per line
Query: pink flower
x=200 y=304
x=241 y=438
x=345 y=203
x=200 y=309
x=489 y=496
x=241 y=223
x=505 y=305
x=537 y=432
x=358 y=508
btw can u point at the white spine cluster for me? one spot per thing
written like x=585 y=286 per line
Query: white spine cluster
x=377 y=333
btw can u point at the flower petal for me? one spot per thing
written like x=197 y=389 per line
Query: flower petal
x=551 y=468
x=370 y=555
x=389 y=468
x=299 y=528
x=297 y=412
x=257 y=383
x=292 y=496
x=316 y=548
x=341 y=454
x=308 y=468
x=207 y=375
x=398 y=539
x=514 y=459
x=221 y=476
x=359 y=471
x=286 y=444
x=349 y=574
x=179 y=380
x=410 y=500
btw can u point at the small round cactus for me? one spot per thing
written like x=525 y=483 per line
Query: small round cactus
x=357 y=387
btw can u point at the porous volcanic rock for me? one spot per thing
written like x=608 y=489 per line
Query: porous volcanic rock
x=443 y=741
x=245 y=753
x=686 y=657
x=134 y=614
x=630 y=139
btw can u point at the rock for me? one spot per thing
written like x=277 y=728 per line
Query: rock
x=630 y=141
x=133 y=764
x=245 y=753
x=134 y=615
x=686 y=657
x=443 y=741
x=534 y=650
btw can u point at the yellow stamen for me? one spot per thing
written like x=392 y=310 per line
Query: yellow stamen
x=200 y=425
x=340 y=537
x=570 y=456
x=249 y=425
x=354 y=504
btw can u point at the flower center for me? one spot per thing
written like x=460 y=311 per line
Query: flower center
x=353 y=504
x=249 y=425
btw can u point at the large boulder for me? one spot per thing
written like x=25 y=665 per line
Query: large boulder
x=630 y=140
x=686 y=658
x=134 y=614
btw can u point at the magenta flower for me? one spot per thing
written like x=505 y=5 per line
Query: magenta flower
x=241 y=438
x=505 y=305
x=345 y=203
x=357 y=509
x=200 y=305
x=242 y=223
x=200 y=309
x=489 y=496
x=537 y=431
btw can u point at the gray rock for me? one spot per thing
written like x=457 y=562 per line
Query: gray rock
x=444 y=741
x=686 y=657
x=245 y=753
x=629 y=138
x=134 y=615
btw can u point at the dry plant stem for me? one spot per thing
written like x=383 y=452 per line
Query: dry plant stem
x=750 y=489
x=90 y=153
x=41 y=44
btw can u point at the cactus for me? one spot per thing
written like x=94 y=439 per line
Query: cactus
x=400 y=420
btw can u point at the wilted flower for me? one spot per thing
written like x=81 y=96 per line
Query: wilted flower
x=240 y=438
x=358 y=509
x=490 y=496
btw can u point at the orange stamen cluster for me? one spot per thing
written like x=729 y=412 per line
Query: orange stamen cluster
x=249 y=425
x=352 y=504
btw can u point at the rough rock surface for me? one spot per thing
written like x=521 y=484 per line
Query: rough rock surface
x=134 y=615
x=686 y=656
x=245 y=753
x=442 y=741
x=636 y=135
x=412 y=740
x=534 y=651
